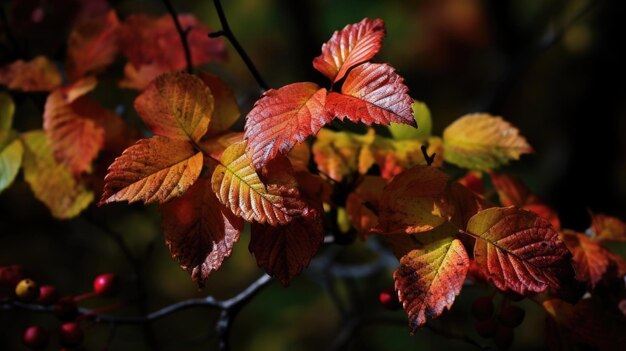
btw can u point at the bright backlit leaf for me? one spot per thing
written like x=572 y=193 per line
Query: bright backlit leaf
x=340 y=154
x=38 y=74
x=429 y=279
x=283 y=118
x=176 y=105
x=11 y=151
x=354 y=44
x=199 y=231
x=414 y=202
x=372 y=93
x=482 y=142
x=239 y=187
x=422 y=117
x=51 y=182
x=517 y=250
x=153 y=170
x=92 y=45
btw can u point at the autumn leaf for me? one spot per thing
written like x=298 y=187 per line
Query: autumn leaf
x=589 y=257
x=240 y=188
x=395 y=156
x=340 y=154
x=465 y=203
x=140 y=78
x=70 y=123
x=11 y=152
x=153 y=170
x=283 y=118
x=7 y=109
x=422 y=117
x=482 y=142
x=511 y=190
x=51 y=182
x=517 y=250
x=608 y=228
x=300 y=156
x=354 y=44
x=214 y=145
x=177 y=106
x=92 y=45
x=367 y=194
x=372 y=93
x=285 y=250
x=147 y=40
x=429 y=279
x=226 y=111
x=38 y=74
x=414 y=202
x=473 y=180
x=199 y=231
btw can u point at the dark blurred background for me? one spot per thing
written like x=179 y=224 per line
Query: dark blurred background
x=553 y=68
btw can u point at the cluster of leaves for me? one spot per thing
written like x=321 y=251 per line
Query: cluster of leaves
x=289 y=175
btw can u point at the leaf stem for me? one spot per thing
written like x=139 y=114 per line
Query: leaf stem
x=182 y=33
x=228 y=33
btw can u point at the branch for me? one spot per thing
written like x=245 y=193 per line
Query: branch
x=429 y=158
x=228 y=33
x=182 y=33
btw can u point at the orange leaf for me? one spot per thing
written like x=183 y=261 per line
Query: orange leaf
x=283 y=118
x=38 y=74
x=140 y=78
x=372 y=93
x=414 y=202
x=590 y=258
x=607 y=228
x=429 y=279
x=226 y=111
x=70 y=122
x=395 y=156
x=348 y=47
x=176 y=105
x=285 y=250
x=340 y=154
x=92 y=45
x=518 y=250
x=511 y=190
x=544 y=212
x=368 y=193
x=240 y=188
x=466 y=204
x=199 y=231
x=214 y=145
x=153 y=170
x=147 y=40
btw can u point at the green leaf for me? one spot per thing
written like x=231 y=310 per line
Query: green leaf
x=421 y=114
x=11 y=151
x=7 y=109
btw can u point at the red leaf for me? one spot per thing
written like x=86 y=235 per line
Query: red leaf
x=153 y=170
x=590 y=258
x=38 y=74
x=282 y=118
x=147 y=40
x=348 y=47
x=71 y=124
x=199 y=231
x=517 y=250
x=429 y=279
x=607 y=228
x=92 y=45
x=372 y=93
x=511 y=190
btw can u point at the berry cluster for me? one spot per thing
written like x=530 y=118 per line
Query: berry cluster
x=14 y=284
x=499 y=326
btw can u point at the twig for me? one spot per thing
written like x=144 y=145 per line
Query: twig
x=228 y=33
x=429 y=159
x=182 y=33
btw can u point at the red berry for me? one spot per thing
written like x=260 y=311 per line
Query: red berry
x=486 y=328
x=389 y=298
x=70 y=334
x=482 y=308
x=511 y=316
x=106 y=285
x=35 y=337
x=504 y=338
x=27 y=290
x=47 y=295
x=65 y=309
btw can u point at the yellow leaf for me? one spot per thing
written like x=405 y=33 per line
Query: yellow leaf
x=51 y=182
x=239 y=187
x=482 y=142
x=340 y=154
x=11 y=151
